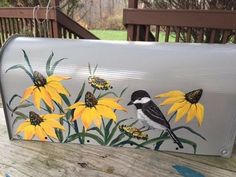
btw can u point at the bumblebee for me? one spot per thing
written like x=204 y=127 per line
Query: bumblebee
x=133 y=132
x=97 y=82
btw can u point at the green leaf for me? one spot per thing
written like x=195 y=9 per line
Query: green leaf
x=114 y=130
x=72 y=138
x=25 y=105
x=107 y=93
x=28 y=62
x=107 y=130
x=94 y=137
x=191 y=143
x=123 y=91
x=89 y=67
x=55 y=65
x=48 y=64
x=117 y=139
x=80 y=93
x=95 y=69
x=155 y=140
x=121 y=144
x=16 y=112
x=17 y=119
x=13 y=98
x=23 y=68
x=59 y=135
x=65 y=99
x=189 y=129
x=96 y=129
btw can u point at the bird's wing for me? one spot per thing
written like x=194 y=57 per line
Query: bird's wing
x=155 y=114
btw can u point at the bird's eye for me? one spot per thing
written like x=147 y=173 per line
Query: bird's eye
x=139 y=98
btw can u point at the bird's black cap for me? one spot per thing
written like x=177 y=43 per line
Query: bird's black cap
x=137 y=95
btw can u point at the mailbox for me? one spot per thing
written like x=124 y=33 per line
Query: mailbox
x=160 y=96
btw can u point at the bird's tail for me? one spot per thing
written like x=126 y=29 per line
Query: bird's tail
x=175 y=138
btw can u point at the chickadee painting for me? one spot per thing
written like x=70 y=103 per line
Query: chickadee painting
x=149 y=114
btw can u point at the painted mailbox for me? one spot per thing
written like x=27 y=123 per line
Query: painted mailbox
x=172 y=97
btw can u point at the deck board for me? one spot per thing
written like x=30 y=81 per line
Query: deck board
x=30 y=158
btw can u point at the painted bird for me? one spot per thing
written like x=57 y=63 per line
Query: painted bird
x=150 y=115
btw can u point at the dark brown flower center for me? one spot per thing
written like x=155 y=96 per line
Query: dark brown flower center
x=35 y=119
x=194 y=96
x=39 y=79
x=90 y=100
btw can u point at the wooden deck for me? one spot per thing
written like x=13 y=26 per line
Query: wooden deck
x=21 y=158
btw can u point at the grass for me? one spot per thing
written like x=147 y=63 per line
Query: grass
x=110 y=34
x=122 y=35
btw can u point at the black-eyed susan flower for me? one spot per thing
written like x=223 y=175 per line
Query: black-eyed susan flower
x=92 y=110
x=184 y=104
x=46 y=89
x=41 y=126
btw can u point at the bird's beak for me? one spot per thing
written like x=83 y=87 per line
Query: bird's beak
x=130 y=103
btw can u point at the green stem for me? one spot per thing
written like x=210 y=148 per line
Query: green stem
x=94 y=90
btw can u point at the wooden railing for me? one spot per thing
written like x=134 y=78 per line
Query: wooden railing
x=203 y=26
x=22 y=21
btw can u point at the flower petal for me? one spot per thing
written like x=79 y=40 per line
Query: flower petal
x=88 y=116
x=27 y=93
x=53 y=94
x=106 y=112
x=112 y=104
x=172 y=100
x=40 y=133
x=57 y=78
x=51 y=116
x=58 y=87
x=46 y=97
x=77 y=104
x=97 y=121
x=191 y=113
x=29 y=132
x=48 y=130
x=22 y=126
x=37 y=98
x=175 y=107
x=182 y=111
x=78 y=112
x=55 y=124
x=200 y=113
x=174 y=93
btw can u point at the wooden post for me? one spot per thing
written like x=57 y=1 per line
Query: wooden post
x=56 y=29
x=131 y=29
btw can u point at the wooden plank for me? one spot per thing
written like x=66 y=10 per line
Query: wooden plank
x=157 y=33
x=188 y=35
x=5 y=28
x=167 y=35
x=225 y=36
x=234 y=37
x=74 y=27
x=212 y=38
x=147 y=31
x=25 y=12
x=138 y=33
x=2 y=31
x=177 y=34
x=200 y=35
x=182 y=18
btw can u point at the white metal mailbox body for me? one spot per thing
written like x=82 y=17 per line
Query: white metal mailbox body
x=165 y=71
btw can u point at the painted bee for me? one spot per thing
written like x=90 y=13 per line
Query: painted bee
x=97 y=82
x=133 y=132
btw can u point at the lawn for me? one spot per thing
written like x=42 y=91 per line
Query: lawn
x=122 y=35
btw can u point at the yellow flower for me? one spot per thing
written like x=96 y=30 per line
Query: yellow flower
x=47 y=89
x=92 y=110
x=42 y=126
x=184 y=104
